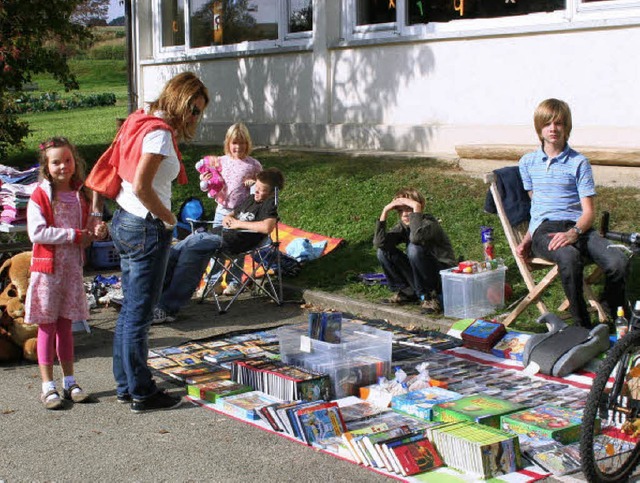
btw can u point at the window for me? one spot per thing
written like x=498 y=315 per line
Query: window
x=172 y=14
x=216 y=24
x=369 y=19
x=300 y=15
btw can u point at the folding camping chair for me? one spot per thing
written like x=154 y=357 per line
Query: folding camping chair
x=514 y=236
x=263 y=277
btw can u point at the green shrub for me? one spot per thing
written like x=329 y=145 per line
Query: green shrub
x=107 y=52
x=52 y=101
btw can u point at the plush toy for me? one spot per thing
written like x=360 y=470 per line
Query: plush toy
x=210 y=164
x=22 y=336
x=17 y=268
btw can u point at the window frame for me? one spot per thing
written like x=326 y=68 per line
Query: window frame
x=577 y=14
x=285 y=39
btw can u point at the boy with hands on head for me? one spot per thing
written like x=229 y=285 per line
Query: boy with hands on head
x=415 y=274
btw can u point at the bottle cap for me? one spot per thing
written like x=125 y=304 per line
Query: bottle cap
x=620 y=312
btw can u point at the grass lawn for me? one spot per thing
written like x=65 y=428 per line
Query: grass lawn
x=334 y=194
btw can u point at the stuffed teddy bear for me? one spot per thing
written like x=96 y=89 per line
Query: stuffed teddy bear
x=22 y=335
x=18 y=271
x=210 y=164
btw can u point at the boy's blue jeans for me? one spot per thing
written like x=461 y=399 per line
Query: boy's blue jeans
x=416 y=272
x=143 y=245
x=187 y=262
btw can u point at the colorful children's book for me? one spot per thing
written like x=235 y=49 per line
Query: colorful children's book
x=479 y=408
x=224 y=356
x=416 y=457
x=320 y=421
x=511 y=346
x=350 y=438
x=244 y=405
x=548 y=421
x=559 y=461
x=420 y=403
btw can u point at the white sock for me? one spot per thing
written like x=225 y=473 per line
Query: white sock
x=48 y=386
x=69 y=381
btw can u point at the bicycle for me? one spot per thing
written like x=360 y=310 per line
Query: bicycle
x=610 y=438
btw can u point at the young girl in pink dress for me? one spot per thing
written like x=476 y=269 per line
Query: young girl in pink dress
x=58 y=225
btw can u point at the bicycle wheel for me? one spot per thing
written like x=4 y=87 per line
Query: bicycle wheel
x=613 y=406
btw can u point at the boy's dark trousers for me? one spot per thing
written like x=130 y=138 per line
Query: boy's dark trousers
x=415 y=273
x=571 y=260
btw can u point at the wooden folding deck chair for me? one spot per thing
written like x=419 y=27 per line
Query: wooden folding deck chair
x=527 y=267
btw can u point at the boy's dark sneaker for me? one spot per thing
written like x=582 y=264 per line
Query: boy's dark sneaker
x=399 y=299
x=430 y=307
x=159 y=401
x=124 y=398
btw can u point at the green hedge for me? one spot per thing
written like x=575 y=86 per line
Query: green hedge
x=52 y=101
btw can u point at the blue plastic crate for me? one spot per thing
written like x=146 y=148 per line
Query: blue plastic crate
x=103 y=254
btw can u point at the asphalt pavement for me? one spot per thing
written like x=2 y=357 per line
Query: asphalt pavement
x=104 y=441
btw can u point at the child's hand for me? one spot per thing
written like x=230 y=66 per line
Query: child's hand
x=249 y=182
x=206 y=176
x=101 y=231
x=86 y=237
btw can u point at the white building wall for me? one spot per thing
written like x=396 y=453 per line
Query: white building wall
x=424 y=96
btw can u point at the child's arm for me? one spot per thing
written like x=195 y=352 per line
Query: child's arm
x=265 y=226
x=39 y=232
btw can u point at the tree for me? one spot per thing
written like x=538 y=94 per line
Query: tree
x=34 y=35
x=91 y=12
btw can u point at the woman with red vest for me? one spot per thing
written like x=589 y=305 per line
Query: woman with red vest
x=149 y=160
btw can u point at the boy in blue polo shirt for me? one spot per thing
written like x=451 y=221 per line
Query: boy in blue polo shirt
x=560 y=183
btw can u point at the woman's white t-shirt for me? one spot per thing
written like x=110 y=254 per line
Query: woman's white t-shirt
x=158 y=141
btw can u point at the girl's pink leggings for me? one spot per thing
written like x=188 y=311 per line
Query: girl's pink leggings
x=55 y=336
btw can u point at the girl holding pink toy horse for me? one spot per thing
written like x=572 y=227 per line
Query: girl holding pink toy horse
x=237 y=169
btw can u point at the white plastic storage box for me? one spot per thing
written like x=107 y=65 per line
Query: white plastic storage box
x=472 y=295
x=363 y=354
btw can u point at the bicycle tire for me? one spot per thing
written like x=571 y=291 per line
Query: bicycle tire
x=621 y=458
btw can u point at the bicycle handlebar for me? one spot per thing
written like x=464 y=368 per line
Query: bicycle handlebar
x=628 y=238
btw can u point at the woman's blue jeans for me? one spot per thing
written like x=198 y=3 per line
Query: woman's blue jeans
x=143 y=245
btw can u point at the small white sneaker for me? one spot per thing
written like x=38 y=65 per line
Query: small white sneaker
x=231 y=289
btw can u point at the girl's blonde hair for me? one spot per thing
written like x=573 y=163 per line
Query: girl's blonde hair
x=175 y=102
x=238 y=131
x=553 y=110
x=77 y=179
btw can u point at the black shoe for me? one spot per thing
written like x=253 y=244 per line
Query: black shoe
x=159 y=401
x=124 y=398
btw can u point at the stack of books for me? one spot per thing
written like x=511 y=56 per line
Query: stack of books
x=403 y=449
x=477 y=449
x=306 y=421
x=281 y=380
x=483 y=334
